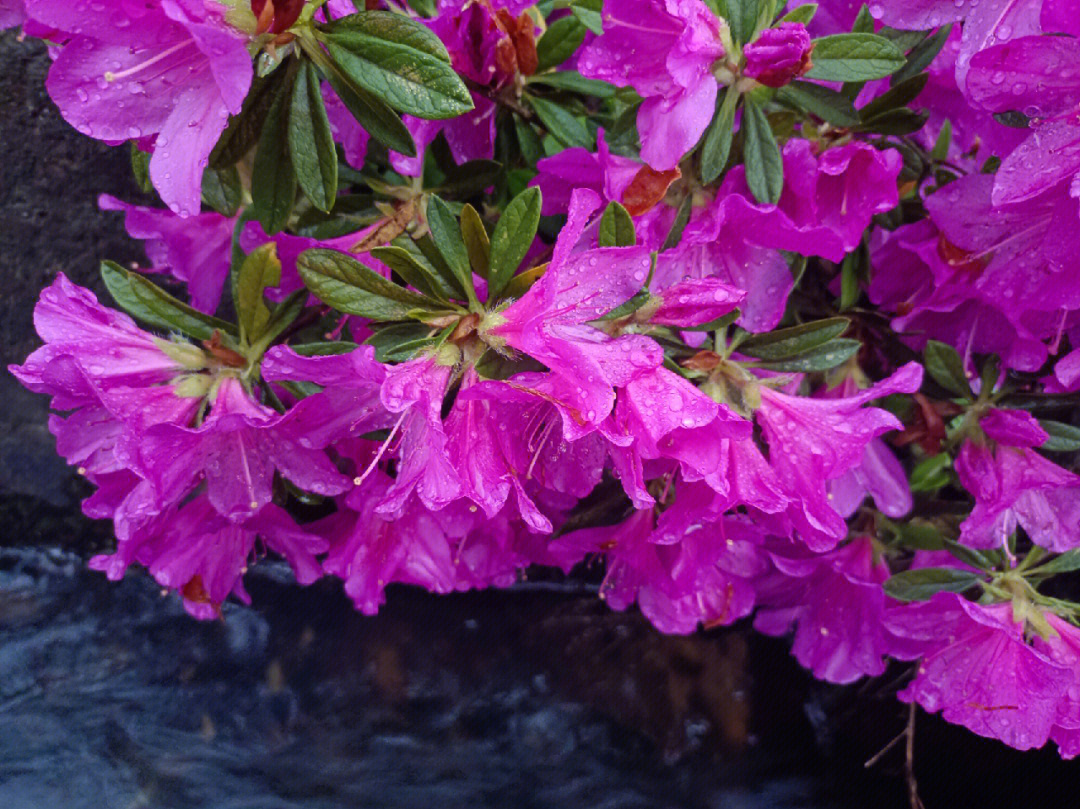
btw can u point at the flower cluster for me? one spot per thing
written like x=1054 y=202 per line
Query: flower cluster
x=738 y=322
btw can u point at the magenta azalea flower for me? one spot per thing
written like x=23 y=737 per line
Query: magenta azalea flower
x=813 y=441
x=977 y=669
x=194 y=250
x=1014 y=485
x=665 y=50
x=1065 y=649
x=12 y=13
x=235 y=450
x=549 y=322
x=778 y=55
x=601 y=171
x=836 y=603
x=163 y=73
x=203 y=556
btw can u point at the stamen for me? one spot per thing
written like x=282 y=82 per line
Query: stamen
x=123 y=74
x=378 y=455
x=540 y=445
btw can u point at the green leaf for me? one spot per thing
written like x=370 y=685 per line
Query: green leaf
x=446 y=233
x=822 y=102
x=849 y=281
x=324 y=349
x=350 y=287
x=822 y=358
x=682 y=217
x=380 y=121
x=899 y=95
x=616 y=227
x=221 y=189
x=273 y=179
x=1063 y=563
x=923 y=54
x=399 y=60
x=245 y=128
x=742 y=16
x=425 y=8
x=588 y=12
x=922 y=584
x=932 y=473
x=903 y=121
x=261 y=269
x=803 y=13
x=140 y=167
x=854 y=58
x=470 y=179
x=1013 y=118
x=969 y=556
x=573 y=82
x=1063 y=437
x=512 y=237
x=559 y=42
x=946 y=367
x=944 y=141
x=148 y=302
x=716 y=146
x=922 y=536
x=425 y=245
x=477 y=243
x=764 y=166
x=784 y=343
x=283 y=315
x=411 y=271
x=863 y=22
x=560 y=122
x=399 y=341
x=627 y=307
x=311 y=143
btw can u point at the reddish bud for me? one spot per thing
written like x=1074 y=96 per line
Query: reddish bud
x=647 y=188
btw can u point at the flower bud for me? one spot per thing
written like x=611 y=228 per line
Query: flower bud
x=779 y=55
x=276 y=16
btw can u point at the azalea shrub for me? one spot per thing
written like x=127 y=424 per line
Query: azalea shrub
x=745 y=310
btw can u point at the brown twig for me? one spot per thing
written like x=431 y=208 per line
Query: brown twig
x=498 y=98
x=908 y=734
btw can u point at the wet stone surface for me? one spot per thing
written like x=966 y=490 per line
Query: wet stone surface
x=111 y=696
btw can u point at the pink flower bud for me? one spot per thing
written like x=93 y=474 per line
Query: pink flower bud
x=779 y=55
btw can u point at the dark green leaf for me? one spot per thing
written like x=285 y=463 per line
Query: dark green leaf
x=411 y=271
x=574 y=82
x=425 y=245
x=311 y=143
x=822 y=358
x=944 y=141
x=399 y=60
x=324 y=349
x=477 y=243
x=273 y=179
x=1013 y=118
x=716 y=146
x=140 y=167
x=764 y=166
x=923 y=54
x=903 y=121
x=1064 y=563
x=899 y=95
x=849 y=281
x=922 y=584
x=921 y=536
x=822 y=102
x=628 y=307
x=284 y=314
x=682 y=216
x=803 y=13
x=742 y=16
x=561 y=123
x=969 y=556
x=245 y=128
x=854 y=58
x=148 y=302
x=221 y=190
x=381 y=122
x=559 y=41
x=944 y=364
x=425 y=8
x=471 y=178
x=512 y=238
x=400 y=341
x=616 y=227
x=261 y=269
x=784 y=343
x=446 y=233
x=350 y=287
x=863 y=22
x=930 y=474
x=1063 y=437
x=588 y=12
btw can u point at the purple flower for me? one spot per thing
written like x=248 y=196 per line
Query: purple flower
x=813 y=441
x=1065 y=649
x=977 y=669
x=665 y=50
x=163 y=72
x=12 y=13
x=696 y=301
x=202 y=555
x=779 y=55
x=346 y=129
x=1014 y=485
x=836 y=603
x=601 y=171
x=195 y=250
x=549 y=322
x=235 y=450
